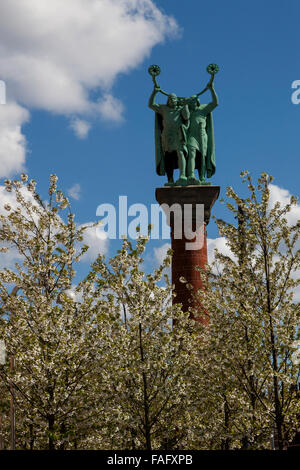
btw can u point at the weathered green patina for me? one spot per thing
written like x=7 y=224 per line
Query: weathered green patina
x=184 y=136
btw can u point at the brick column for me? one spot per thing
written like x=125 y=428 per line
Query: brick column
x=188 y=253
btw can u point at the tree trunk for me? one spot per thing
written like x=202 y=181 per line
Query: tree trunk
x=145 y=391
x=51 y=443
x=226 y=442
x=1 y=435
x=31 y=441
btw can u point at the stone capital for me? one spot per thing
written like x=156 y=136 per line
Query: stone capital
x=193 y=195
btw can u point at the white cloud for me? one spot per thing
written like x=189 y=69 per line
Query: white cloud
x=80 y=127
x=9 y=198
x=71 y=293
x=53 y=53
x=219 y=244
x=12 y=141
x=74 y=191
x=97 y=241
x=110 y=108
x=161 y=253
x=283 y=196
x=9 y=258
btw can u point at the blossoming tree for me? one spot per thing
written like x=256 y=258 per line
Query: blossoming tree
x=248 y=349
x=48 y=334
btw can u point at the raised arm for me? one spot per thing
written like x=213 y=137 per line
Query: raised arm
x=151 y=103
x=214 y=103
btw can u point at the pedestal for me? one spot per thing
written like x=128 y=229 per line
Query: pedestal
x=195 y=204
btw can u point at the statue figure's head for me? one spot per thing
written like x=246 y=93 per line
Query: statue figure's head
x=172 y=100
x=194 y=102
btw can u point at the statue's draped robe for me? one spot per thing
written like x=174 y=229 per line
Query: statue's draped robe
x=169 y=161
x=201 y=138
x=166 y=155
x=210 y=159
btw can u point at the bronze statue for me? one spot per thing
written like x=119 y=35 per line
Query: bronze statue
x=184 y=135
x=171 y=124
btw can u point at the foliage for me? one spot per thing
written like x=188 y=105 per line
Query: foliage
x=49 y=336
x=150 y=355
x=248 y=349
x=114 y=363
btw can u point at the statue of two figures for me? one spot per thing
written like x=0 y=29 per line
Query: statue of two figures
x=184 y=136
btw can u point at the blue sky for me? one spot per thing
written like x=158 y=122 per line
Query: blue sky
x=55 y=83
